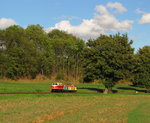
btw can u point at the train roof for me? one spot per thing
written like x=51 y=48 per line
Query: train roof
x=57 y=83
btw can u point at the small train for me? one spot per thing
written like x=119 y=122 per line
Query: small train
x=59 y=87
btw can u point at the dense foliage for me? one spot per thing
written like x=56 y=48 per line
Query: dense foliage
x=31 y=51
x=108 y=58
x=67 y=54
x=142 y=68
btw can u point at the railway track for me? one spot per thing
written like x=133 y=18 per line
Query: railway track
x=14 y=93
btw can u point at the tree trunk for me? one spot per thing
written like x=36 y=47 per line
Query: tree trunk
x=107 y=91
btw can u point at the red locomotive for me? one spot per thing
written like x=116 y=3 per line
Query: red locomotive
x=59 y=87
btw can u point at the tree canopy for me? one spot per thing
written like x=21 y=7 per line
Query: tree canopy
x=142 y=67
x=108 y=58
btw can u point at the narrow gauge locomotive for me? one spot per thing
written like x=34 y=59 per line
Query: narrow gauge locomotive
x=59 y=87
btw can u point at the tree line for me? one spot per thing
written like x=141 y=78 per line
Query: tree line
x=31 y=51
x=108 y=58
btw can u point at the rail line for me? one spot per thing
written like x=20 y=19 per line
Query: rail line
x=14 y=93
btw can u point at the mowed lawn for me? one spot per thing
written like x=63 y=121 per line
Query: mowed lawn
x=81 y=108
x=126 y=106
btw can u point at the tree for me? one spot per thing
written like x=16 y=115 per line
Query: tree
x=2 y=54
x=67 y=53
x=28 y=52
x=43 y=50
x=31 y=51
x=14 y=38
x=108 y=58
x=142 y=69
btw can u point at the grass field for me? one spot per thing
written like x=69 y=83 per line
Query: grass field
x=46 y=87
x=124 y=107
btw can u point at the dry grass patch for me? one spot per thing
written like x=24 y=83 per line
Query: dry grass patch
x=62 y=109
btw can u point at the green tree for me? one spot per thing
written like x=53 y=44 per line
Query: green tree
x=142 y=69
x=28 y=52
x=108 y=58
x=2 y=55
x=14 y=38
x=67 y=53
x=44 y=52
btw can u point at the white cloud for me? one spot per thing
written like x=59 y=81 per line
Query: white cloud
x=6 y=22
x=102 y=23
x=139 y=11
x=145 y=19
x=118 y=6
x=102 y=9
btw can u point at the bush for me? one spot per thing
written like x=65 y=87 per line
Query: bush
x=60 y=75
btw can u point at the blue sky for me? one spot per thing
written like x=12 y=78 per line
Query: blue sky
x=83 y=18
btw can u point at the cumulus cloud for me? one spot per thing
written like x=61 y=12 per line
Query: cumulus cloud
x=101 y=23
x=102 y=9
x=118 y=6
x=6 y=22
x=145 y=19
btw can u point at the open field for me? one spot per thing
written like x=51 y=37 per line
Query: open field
x=124 y=107
x=46 y=87
x=74 y=108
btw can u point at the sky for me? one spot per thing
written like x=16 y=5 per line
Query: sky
x=83 y=18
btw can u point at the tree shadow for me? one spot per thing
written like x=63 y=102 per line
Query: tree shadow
x=97 y=90
x=114 y=91
x=130 y=88
x=136 y=85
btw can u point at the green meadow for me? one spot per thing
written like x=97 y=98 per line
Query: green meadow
x=123 y=106
x=19 y=86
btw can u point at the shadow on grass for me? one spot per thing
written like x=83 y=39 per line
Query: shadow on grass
x=130 y=88
x=97 y=90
